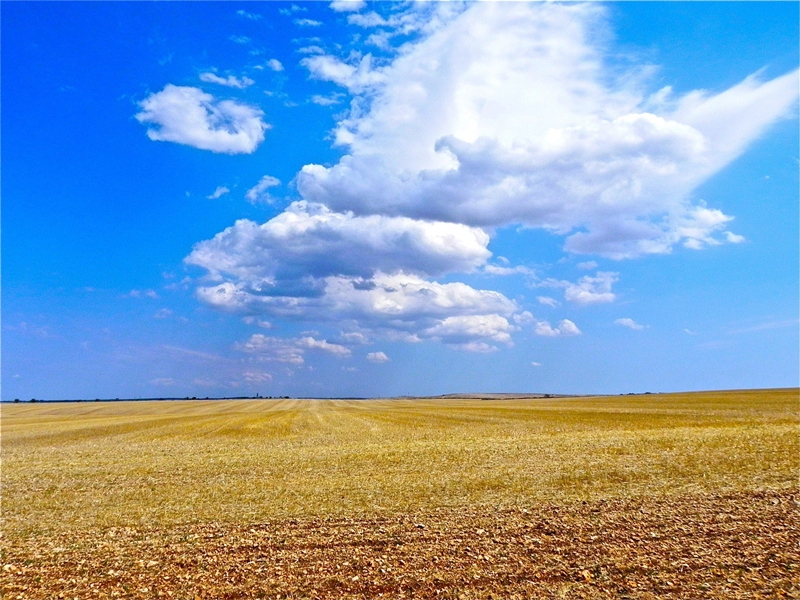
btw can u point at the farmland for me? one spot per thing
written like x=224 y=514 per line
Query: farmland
x=681 y=495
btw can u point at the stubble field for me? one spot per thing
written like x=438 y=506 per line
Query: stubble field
x=676 y=495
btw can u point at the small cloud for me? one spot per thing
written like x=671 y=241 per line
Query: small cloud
x=307 y=22
x=229 y=81
x=734 y=238
x=330 y=100
x=247 y=15
x=275 y=64
x=377 y=357
x=523 y=318
x=350 y=369
x=163 y=313
x=256 y=376
x=536 y=364
x=292 y=9
x=218 y=193
x=548 y=301
x=163 y=381
x=630 y=324
x=239 y=39
x=347 y=5
x=498 y=270
x=258 y=322
x=588 y=265
x=311 y=50
x=188 y=115
x=564 y=328
x=259 y=192
x=143 y=294
x=690 y=332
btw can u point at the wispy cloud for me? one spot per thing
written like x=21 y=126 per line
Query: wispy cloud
x=218 y=193
x=229 y=81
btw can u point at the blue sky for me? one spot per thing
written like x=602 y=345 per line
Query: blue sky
x=222 y=199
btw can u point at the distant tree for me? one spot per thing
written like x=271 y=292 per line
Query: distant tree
x=33 y=399
x=16 y=399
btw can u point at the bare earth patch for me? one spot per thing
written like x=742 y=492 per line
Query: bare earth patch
x=736 y=545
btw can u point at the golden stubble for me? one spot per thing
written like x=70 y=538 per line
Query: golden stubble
x=87 y=465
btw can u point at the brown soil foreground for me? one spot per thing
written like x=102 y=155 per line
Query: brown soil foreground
x=738 y=545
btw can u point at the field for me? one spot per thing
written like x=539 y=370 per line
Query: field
x=651 y=496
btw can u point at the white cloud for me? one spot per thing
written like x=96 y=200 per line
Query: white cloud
x=548 y=301
x=163 y=313
x=734 y=238
x=356 y=78
x=289 y=350
x=260 y=191
x=588 y=265
x=347 y=5
x=187 y=115
x=239 y=39
x=398 y=307
x=461 y=331
x=307 y=22
x=275 y=64
x=311 y=50
x=308 y=240
x=505 y=113
x=218 y=193
x=329 y=100
x=629 y=323
x=587 y=290
x=503 y=271
x=377 y=357
x=256 y=376
x=247 y=15
x=564 y=328
x=536 y=364
x=229 y=81
x=592 y=290
x=143 y=293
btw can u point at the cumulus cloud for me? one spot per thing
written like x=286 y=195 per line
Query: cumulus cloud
x=400 y=306
x=629 y=323
x=564 y=328
x=229 y=81
x=187 y=115
x=377 y=357
x=504 y=113
x=275 y=64
x=218 y=193
x=260 y=191
x=347 y=5
x=309 y=240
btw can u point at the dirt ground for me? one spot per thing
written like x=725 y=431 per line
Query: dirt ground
x=738 y=545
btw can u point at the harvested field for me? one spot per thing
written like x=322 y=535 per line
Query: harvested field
x=685 y=496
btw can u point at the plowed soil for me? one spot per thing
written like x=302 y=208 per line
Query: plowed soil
x=737 y=545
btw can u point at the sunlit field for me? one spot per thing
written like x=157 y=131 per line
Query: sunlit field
x=675 y=495
x=109 y=464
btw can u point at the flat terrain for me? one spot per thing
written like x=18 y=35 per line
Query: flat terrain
x=678 y=495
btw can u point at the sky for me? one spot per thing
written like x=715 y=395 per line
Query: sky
x=379 y=199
